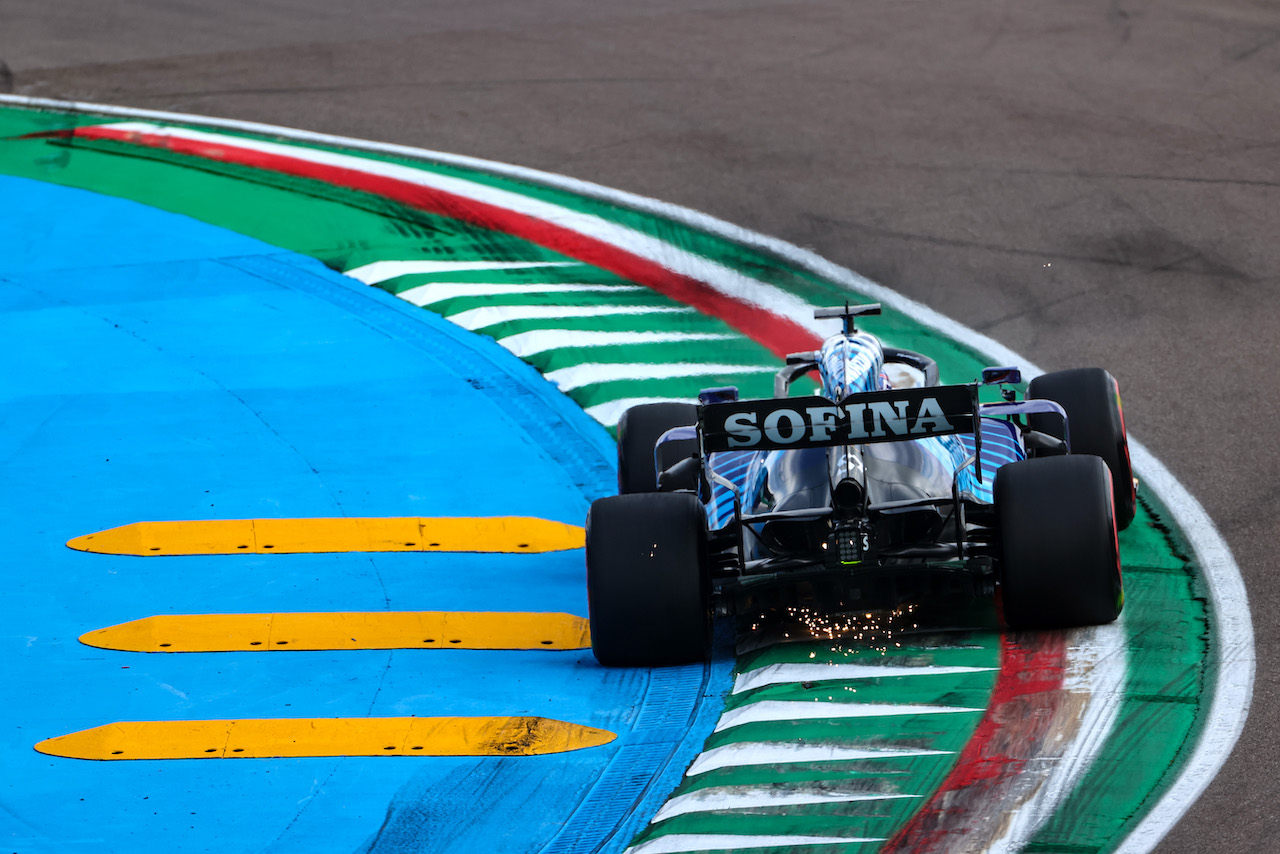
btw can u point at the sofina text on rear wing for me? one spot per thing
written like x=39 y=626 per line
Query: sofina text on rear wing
x=814 y=422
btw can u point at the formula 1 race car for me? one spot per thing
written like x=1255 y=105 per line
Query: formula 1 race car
x=885 y=472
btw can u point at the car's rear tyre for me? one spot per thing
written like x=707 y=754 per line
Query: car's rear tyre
x=1060 y=564
x=1095 y=421
x=638 y=430
x=647 y=581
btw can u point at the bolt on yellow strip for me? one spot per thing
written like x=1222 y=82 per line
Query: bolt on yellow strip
x=344 y=630
x=297 y=737
x=298 y=536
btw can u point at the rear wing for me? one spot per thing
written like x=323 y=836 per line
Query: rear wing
x=859 y=419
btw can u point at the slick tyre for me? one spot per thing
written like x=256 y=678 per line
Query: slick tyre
x=638 y=431
x=1060 y=564
x=647 y=582
x=1095 y=421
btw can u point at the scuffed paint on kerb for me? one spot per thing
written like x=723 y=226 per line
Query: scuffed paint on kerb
x=1092 y=689
x=1026 y=709
x=1054 y=705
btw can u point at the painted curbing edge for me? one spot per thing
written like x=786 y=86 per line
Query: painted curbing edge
x=1236 y=657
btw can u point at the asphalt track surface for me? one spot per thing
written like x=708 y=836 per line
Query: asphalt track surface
x=1085 y=182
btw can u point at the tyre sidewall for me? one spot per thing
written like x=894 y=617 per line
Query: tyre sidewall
x=1059 y=564
x=1091 y=398
x=638 y=431
x=647 y=580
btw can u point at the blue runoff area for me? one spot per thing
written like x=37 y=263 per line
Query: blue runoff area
x=160 y=368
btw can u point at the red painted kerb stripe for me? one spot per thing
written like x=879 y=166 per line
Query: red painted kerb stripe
x=1018 y=721
x=780 y=335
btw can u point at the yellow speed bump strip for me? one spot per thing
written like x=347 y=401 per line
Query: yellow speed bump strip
x=344 y=630
x=294 y=737
x=297 y=536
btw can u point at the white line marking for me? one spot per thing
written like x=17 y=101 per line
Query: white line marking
x=801 y=710
x=491 y=315
x=775 y=674
x=591 y=373
x=681 y=843
x=434 y=292
x=535 y=341
x=718 y=798
x=381 y=271
x=786 y=753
